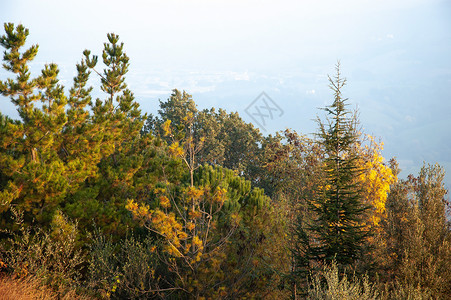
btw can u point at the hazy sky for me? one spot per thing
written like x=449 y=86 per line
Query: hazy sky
x=395 y=54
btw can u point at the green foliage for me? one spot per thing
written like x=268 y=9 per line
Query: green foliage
x=142 y=272
x=55 y=158
x=227 y=140
x=239 y=190
x=133 y=271
x=338 y=205
x=230 y=142
x=291 y=166
x=103 y=265
x=176 y=108
x=29 y=155
x=198 y=204
x=329 y=225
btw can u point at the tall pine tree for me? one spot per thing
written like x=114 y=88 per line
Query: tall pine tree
x=338 y=229
x=37 y=179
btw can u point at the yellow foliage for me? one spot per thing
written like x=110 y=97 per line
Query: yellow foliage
x=220 y=195
x=140 y=212
x=198 y=256
x=187 y=248
x=190 y=226
x=186 y=223
x=2 y=265
x=194 y=193
x=194 y=214
x=182 y=235
x=143 y=211
x=159 y=191
x=375 y=179
x=132 y=206
x=172 y=250
x=167 y=225
x=175 y=150
x=197 y=242
x=164 y=202
x=189 y=116
x=235 y=219
x=167 y=128
x=62 y=229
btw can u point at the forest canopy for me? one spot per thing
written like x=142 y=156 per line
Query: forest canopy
x=100 y=200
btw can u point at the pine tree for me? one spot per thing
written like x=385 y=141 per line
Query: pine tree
x=111 y=137
x=337 y=231
x=38 y=179
x=67 y=152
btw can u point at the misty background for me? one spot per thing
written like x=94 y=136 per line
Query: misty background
x=396 y=56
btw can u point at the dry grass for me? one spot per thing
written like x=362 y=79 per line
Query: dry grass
x=30 y=288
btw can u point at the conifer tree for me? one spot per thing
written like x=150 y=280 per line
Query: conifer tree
x=111 y=135
x=67 y=152
x=339 y=207
x=209 y=221
x=208 y=231
x=37 y=178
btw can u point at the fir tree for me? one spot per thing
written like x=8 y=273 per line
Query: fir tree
x=339 y=206
x=337 y=230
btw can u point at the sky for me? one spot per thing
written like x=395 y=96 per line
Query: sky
x=395 y=55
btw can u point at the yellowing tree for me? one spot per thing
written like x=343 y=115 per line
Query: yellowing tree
x=186 y=221
x=195 y=226
x=195 y=216
x=375 y=179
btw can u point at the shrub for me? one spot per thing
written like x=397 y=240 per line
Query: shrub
x=327 y=285
x=51 y=256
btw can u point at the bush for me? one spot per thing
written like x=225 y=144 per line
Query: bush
x=51 y=256
x=328 y=285
x=128 y=270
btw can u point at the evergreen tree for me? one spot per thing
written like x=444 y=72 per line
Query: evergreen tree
x=112 y=139
x=212 y=232
x=337 y=231
x=30 y=152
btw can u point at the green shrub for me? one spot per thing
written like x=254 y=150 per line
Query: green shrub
x=130 y=269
